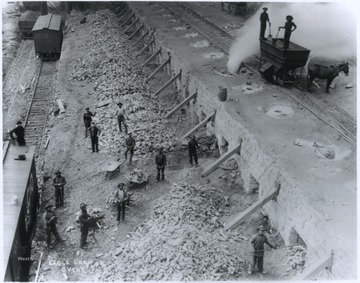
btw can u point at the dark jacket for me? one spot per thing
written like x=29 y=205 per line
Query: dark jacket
x=264 y=17
x=19 y=131
x=258 y=242
x=160 y=159
x=193 y=146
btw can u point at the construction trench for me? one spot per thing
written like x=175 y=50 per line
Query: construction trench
x=282 y=193
x=290 y=165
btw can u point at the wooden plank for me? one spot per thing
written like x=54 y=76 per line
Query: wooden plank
x=159 y=68
x=237 y=219
x=221 y=160
x=186 y=100
x=198 y=126
x=167 y=84
x=47 y=142
x=145 y=47
x=152 y=57
x=61 y=105
x=320 y=265
x=135 y=32
x=131 y=25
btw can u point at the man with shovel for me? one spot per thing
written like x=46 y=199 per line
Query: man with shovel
x=264 y=17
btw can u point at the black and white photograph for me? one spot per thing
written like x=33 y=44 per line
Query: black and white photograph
x=179 y=141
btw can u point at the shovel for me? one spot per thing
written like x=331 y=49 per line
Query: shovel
x=269 y=36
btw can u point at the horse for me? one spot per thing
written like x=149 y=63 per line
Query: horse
x=328 y=73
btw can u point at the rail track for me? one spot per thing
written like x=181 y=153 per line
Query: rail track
x=333 y=116
x=36 y=117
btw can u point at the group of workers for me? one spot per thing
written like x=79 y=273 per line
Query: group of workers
x=289 y=27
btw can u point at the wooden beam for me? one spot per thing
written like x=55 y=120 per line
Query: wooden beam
x=135 y=32
x=140 y=38
x=186 y=100
x=159 y=68
x=167 y=84
x=320 y=265
x=152 y=57
x=237 y=219
x=131 y=25
x=145 y=47
x=123 y=11
x=198 y=126
x=125 y=23
x=221 y=160
x=123 y=17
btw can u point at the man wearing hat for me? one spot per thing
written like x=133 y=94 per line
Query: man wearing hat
x=50 y=220
x=130 y=145
x=289 y=28
x=160 y=161
x=121 y=117
x=264 y=17
x=59 y=182
x=84 y=220
x=19 y=131
x=94 y=136
x=121 y=198
x=193 y=147
x=87 y=119
x=257 y=242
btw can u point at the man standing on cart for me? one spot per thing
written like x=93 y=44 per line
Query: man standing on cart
x=264 y=18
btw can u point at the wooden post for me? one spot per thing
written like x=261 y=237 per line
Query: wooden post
x=186 y=100
x=310 y=272
x=221 y=160
x=198 y=126
x=131 y=25
x=135 y=32
x=38 y=269
x=145 y=47
x=141 y=37
x=174 y=78
x=237 y=219
x=152 y=57
x=159 y=68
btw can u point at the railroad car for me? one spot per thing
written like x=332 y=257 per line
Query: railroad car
x=20 y=207
x=48 y=36
x=27 y=22
x=280 y=65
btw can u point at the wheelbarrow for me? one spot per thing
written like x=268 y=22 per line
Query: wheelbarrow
x=137 y=178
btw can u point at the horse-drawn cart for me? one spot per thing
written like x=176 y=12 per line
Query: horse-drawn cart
x=280 y=65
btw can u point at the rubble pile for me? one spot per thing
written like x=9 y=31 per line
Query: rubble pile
x=182 y=241
x=112 y=68
x=296 y=260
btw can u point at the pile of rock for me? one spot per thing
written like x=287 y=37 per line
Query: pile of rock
x=296 y=260
x=110 y=66
x=182 y=241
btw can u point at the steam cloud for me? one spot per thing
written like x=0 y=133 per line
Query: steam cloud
x=327 y=29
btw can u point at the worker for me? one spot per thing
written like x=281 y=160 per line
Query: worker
x=121 y=117
x=130 y=145
x=193 y=147
x=84 y=220
x=257 y=242
x=289 y=28
x=160 y=161
x=266 y=223
x=59 y=182
x=50 y=220
x=121 y=197
x=264 y=17
x=94 y=136
x=19 y=131
x=87 y=120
